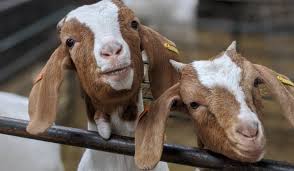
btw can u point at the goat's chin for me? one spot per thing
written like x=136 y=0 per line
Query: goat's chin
x=250 y=155
x=250 y=150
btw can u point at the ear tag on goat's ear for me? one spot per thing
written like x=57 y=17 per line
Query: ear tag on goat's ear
x=285 y=81
x=171 y=48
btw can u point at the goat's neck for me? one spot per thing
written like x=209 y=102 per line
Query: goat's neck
x=103 y=161
x=118 y=125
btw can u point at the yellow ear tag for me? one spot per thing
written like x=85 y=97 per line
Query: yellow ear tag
x=285 y=80
x=171 y=48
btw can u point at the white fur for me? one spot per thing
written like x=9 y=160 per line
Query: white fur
x=25 y=154
x=177 y=65
x=144 y=56
x=104 y=128
x=223 y=72
x=102 y=19
x=123 y=84
x=104 y=161
x=93 y=160
x=233 y=46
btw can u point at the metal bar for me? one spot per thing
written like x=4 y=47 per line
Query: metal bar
x=274 y=2
x=27 y=59
x=33 y=29
x=34 y=54
x=6 y=4
x=124 y=145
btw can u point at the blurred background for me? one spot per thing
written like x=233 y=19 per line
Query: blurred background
x=264 y=30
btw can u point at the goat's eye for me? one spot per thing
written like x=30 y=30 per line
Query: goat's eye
x=194 y=105
x=257 y=81
x=70 y=42
x=135 y=25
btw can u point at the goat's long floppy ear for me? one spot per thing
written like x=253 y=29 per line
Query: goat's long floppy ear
x=159 y=51
x=44 y=94
x=281 y=88
x=149 y=133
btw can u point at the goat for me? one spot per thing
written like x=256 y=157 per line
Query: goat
x=223 y=99
x=24 y=154
x=104 y=43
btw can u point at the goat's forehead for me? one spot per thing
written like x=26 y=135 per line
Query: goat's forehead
x=221 y=71
x=101 y=17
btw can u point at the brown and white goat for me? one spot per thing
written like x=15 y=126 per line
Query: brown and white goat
x=104 y=43
x=223 y=99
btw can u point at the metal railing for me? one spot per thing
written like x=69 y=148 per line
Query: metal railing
x=125 y=145
x=121 y=145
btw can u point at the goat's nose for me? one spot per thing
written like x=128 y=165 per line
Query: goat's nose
x=111 y=49
x=248 y=129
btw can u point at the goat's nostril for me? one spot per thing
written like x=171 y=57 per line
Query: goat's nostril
x=111 y=49
x=119 y=50
x=105 y=54
x=248 y=130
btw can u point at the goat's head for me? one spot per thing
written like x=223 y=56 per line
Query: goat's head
x=103 y=43
x=222 y=97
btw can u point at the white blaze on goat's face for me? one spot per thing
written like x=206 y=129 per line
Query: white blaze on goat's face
x=226 y=98
x=223 y=98
x=102 y=19
x=223 y=72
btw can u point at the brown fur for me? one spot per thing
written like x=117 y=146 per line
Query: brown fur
x=284 y=94
x=153 y=43
x=149 y=143
x=43 y=99
x=161 y=74
x=215 y=118
x=100 y=98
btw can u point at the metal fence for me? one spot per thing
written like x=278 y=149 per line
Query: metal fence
x=124 y=145
x=81 y=138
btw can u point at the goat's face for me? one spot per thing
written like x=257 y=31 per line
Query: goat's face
x=104 y=44
x=222 y=97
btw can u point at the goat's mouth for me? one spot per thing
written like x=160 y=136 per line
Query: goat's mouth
x=117 y=71
x=251 y=150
